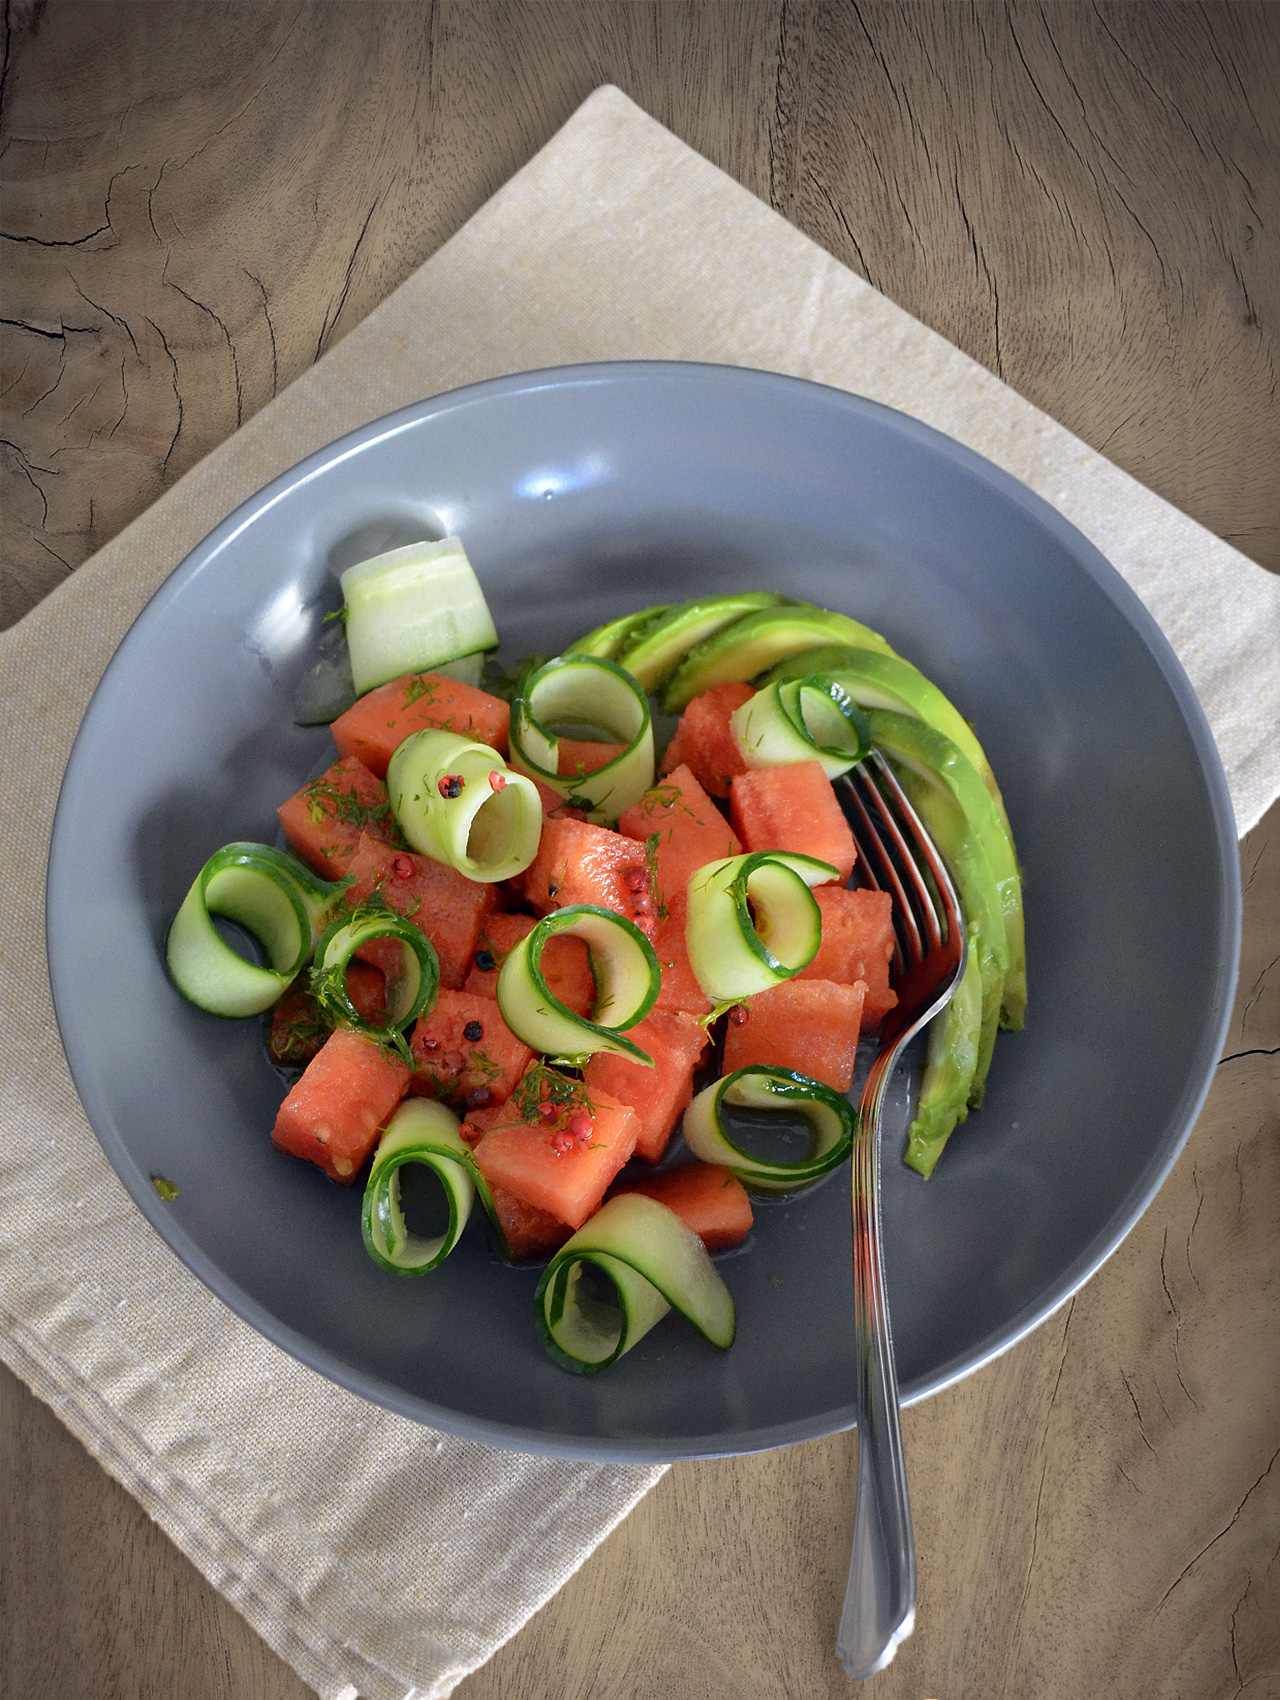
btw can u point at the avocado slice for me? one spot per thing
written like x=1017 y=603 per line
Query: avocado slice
x=758 y=641
x=959 y=815
x=875 y=680
x=651 y=655
x=607 y=640
x=950 y=1063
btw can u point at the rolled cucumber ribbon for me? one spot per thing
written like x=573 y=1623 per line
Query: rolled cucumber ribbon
x=753 y=921
x=781 y=1091
x=808 y=719
x=458 y=802
x=647 y=1262
x=273 y=897
x=410 y=993
x=627 y=976
x=585 y=691
x=424 y=1132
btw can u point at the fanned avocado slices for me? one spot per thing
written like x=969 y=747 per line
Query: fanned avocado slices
x=652 y=653
x=876 y=680
x=608 y=640
x=758 y=641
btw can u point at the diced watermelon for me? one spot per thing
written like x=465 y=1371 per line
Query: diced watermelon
x=857 y=944
x=386 y=716
x=334 y=1113
x=564 y=1162
x=681 y=829
x=299 y=1028
x=792 y=807
x=807 y=1025
x=565 y=962
x=704 y=740
x=444 y=904
x=323 y=822
x=658 y=1095
x=680 y=988
x=529 y=1233
x=583 y=755
x=710 y=1200
x=578 y=862
x=465 y=1054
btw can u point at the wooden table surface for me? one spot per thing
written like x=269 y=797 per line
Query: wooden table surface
x=198 y=200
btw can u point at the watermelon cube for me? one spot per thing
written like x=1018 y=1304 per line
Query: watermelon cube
x=857 y=944
x=704 y=739
x=792 y=807
x=324 y=821
x=681 y=829
x=384 y=718
x=561 y=1160
x=442 y=903
x=565 y=962
x=334 y=1114
x=710 y=1200
x=578 y=862
x=658 y=1095
x=465 y=1054
x=810 y=1026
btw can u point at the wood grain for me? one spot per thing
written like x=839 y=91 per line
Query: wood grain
x=198 y=200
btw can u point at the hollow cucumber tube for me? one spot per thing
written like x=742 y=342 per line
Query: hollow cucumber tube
x=785 y=1093
x=590 y=694
x=412 y=609
x=809 y=719
x=277 y=900
x=459 y=803
x=627 y=976
x=623 y=1270
x=423 y=1132
x=410 y=993
x=753 y=922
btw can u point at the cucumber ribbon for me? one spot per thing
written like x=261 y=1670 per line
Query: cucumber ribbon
x=753 y=922
x=807 y=719
x=421 y=1131
x=273 y=897
x=410 y=993
x=761 y=1087
x=458 y=802
x=648 y=1262
x=626 y=972
x=587 y=691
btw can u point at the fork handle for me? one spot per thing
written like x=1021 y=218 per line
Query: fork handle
x=880 y=1600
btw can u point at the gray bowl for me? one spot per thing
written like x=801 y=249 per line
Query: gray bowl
x=581 y=493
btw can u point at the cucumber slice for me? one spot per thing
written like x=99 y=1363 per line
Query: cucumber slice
x=887 y=681
x=459 y=803
x=735 y=953
x=608 y=640
x=758 y=1087
x=758 y=641
x=587 y=691
x=652 y=653
x=273 y=897
x=424 y=1132
x=412 y=609
x=959 y=815
x=649 y=1263
x=808 y=719
x=410 y=993
x=628 y=980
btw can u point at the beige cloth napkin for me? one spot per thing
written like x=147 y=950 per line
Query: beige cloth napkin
x=374 y=1555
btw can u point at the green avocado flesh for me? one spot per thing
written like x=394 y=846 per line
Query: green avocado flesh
x=650 y=655
x=759 y=641
x=876 y=680
x=608 y=640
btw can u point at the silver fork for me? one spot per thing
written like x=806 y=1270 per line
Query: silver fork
x=897 y=855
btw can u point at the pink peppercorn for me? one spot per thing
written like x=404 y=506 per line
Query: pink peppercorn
x=635 y=879
x=403 y=868
x=561 y=1143
x=739 y=1013
x=497 y=781
x=580 y=1125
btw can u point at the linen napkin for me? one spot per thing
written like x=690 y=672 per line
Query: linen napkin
x=374 y=1555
